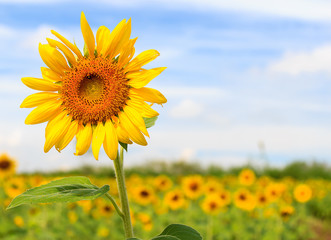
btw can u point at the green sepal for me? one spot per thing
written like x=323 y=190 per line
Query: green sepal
x=178 y=232
x=69 y=189
x=149 y=122
x=124 y=145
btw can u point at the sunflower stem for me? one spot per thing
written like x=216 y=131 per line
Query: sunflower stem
x=120 y=178
x=117 y=208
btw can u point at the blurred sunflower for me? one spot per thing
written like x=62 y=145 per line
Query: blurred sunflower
x=212 y=186
x=302 y=193
x=7 y=166
x=143 y=195
x=286 y=212
x=246 y=177
x=162 y=183
x=14 y=186
x=146 y=221
x=212 y=204
x=175 y=199
x=243 y=199
x=99 y=97
x=274 y=191
x=261 y=199
x=225 y=197
x=193 y=186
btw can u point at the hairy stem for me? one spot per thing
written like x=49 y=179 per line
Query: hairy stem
x=119 y=172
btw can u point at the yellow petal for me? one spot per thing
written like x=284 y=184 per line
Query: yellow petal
x=69 y=135
x=134 y=133
x=149 y=95
x=53 y=59
x=142 y=59
x=136 y=118
x=40 y=84
x=114 y=38
x=38 y=99
x=140 y=79
x=73 y=47
x=44 y=112
x=84 y=137
x=148 y=112
x=87 y=34
x=50 y=75
x=56 y=130
x=69 y=55
x=97 y=139
x=123 y=38
x=122 y=135
x=103 y=39
x=126 y=53
x=110 y=143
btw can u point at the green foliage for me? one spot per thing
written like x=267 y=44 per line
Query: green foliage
x=178 y=232
x=70 y=189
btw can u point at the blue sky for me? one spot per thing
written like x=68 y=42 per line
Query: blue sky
x=238 y=74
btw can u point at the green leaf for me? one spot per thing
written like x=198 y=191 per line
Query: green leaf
x=149 y=122
x=133 y=239
x=166 y=237
x=178 y=232
x=124 y=145
x=69 y=189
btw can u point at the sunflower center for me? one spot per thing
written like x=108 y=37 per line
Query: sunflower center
x=144 y=193
x=94 y=90
x=91 y=87
x=242 y=197
x=4 y=165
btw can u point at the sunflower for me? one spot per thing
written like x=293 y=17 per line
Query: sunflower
x=143 y=195
x=193 y=186
x=212 y=204
x=286 y=212
x=162 y=183
x=7 y=166
x=246 y=177
x=224 y=196
x=261 y=199
x=302 y=193
x=99 y=96
x=14 y=186
x=175 y=199
x=243 y=199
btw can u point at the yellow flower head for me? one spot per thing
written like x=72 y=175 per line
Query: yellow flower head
x=162 y=183
x=224 y=196
x=19 y=221
x=261 y=199
x=246 y=177
x=286 y=212
x=175 y=199
x=193 y=186
x=302 y=193
x=274 y=191
x=212 y=204
x=14 y=186
x=243 y=199
x=99 y=96
x=7 y=166
x=143 y=195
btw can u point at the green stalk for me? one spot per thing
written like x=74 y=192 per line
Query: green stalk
x=120 y=178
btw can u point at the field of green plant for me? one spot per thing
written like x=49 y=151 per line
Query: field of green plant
x=237 y=204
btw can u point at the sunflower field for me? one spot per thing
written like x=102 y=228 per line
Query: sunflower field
x=231 y=206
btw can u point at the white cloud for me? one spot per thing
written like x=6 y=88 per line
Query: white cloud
x=294 y=63
x=186 y=109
